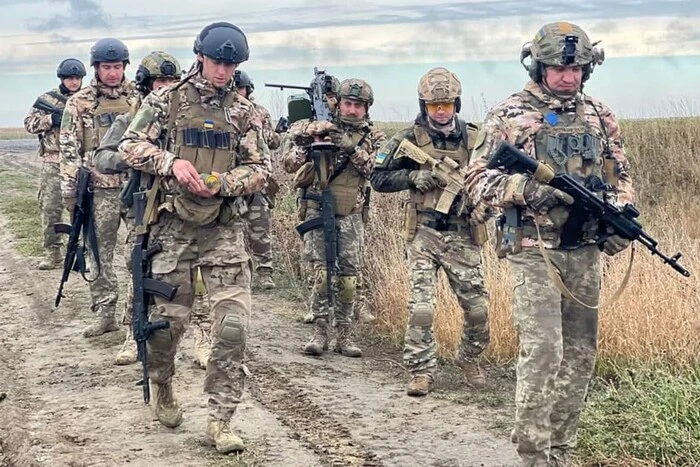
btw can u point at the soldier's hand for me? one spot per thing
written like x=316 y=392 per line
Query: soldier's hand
x=542 y=197
x=614 y=244
x=480 y=213
x=423 y=180
x=56 y=118
x=342 y=140
x=187 y=175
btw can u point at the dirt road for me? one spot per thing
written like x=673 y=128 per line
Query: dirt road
x=64 y=403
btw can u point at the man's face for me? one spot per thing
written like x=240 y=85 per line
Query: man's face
x=217 y=73
x=163 y=82
x=352 y=108
x=243 y=91
x=563 y=79
x=73 y=83
x=110 y=73
x=441 y=112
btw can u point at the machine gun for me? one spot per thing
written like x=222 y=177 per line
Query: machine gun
x=313 y=107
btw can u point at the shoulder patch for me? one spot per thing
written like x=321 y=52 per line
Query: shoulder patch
x=380 y=157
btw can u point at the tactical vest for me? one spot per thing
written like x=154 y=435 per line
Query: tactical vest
x=346 y=185
x=568 y=144
x=103 y=116
x=205 y=138
x=428 y=201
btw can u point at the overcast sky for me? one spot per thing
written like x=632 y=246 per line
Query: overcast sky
x=652 y=46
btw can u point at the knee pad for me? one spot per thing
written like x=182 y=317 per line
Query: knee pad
x=232 y=331
x=346 y=289
x=421 y=316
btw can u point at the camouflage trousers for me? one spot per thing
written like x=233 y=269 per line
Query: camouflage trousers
x=258 y=234
x=557 y=348
x=350 y=233
x=219 y=250
x=461 y=261
x=108 y=212
x=50 y=203
x=128 y=249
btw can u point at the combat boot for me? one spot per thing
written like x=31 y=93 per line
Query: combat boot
x=343 y=342
x=472 y=372
x=265 y=281
x=128 y=353
x=319 y=341
x=165 y=407
x=219 y=433
x=104 y=325
x=202 y=346
x=52 y=259
x=420 y=385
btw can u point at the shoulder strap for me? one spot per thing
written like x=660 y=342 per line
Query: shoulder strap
x=58 y=96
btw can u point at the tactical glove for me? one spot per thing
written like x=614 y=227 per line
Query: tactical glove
x=614 y=244
x=342 y=140
x=541 y=197
x=423 y=180
x=56 y=118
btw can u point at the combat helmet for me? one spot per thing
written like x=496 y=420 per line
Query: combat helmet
x=222 y=42
x=439 y=85
x=357 y=89
x=70 y=67
x=156 y=65
x=560 y=44
x=109 y=50
x=241 y=79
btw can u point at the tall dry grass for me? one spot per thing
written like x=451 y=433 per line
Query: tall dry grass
x=656 y=318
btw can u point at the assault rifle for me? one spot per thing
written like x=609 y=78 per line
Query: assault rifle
x=145 y=288
x=586 y=204
x=82 y=225
x=320 y=86
x=41 y=104
x=321 y=155
x=446 y=170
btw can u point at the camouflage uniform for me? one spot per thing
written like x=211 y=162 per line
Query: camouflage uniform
x=557 y=336
x=434 y=239
x=40 y=122
x=201 y=232
x=88 y=116
x=348 y=182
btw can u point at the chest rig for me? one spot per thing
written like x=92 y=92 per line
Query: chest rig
x=103 y=116
x=346 y=182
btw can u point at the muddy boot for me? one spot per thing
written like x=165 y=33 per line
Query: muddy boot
x=219 y=433
x=51 y=260
x=165 y=407
x=265 y=282
x=202 y=346
x=309 y=318
x=472 y=372
x=319 y=341
x=420 y=385
x=128 y=353
x=104 y=325
x=364 y=315
x=343 y=342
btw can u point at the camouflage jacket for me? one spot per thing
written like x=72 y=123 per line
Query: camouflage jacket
x=272 y=138
x=517 y=121
x=107 y=158
x=77 y=118
x=38 y=122
x=362 y=161
x=141 y=150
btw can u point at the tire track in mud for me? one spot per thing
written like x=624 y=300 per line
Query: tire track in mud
x=329 y=438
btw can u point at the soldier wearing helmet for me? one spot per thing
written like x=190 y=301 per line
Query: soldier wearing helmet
x=443 y=238
x=88 y=115
x=553 y=121
x=346 y=172
x=44 y=120
x=202 y=145
x=157 y=69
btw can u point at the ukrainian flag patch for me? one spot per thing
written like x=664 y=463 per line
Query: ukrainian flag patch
x=208 y=124
x=379 y=159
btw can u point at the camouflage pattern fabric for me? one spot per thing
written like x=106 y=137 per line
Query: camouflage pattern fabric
x=218 y=247
x=38 y=122
x=50 y=203
x=350 y=232
x=77 y=119
x=272 y=138
x=557 y=340
x=557 y=337
x=258 y=227
x=454 y=253
x=108 y=213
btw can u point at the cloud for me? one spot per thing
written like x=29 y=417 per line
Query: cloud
x=82 y=14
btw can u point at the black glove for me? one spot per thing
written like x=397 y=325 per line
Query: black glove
x=56 y=118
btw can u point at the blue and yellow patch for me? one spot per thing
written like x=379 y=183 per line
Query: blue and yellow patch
x=208 y=124
x=380 y=157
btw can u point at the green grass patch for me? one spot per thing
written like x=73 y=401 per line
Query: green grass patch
x=15 y=133
x=643 y=415
x=21 y=208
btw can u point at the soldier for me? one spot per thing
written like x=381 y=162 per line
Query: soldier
x=45 y=120
x=156 y=70
x=437 y=239
x=88 y=116
x=357 y=142
x=553 y=121
x=210 y=133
